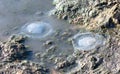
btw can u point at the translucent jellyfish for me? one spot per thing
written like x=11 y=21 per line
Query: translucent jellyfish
x=87 y=41
x=37 y=29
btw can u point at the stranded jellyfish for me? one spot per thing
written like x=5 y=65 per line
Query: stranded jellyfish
x=87 y=41
x=37 y=29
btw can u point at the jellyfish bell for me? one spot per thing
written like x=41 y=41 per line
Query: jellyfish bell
x=87 y=41
x=37 y=29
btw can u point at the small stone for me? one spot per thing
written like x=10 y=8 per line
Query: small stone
x=52 y=57
x=39 y=13
x=19 y=72
x=49 y=42
x=51 y=49
x=56 y=2
x=65 y=17
x=38 y=55
x=119 y=43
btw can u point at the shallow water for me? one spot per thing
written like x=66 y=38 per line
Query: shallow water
x=14 y=14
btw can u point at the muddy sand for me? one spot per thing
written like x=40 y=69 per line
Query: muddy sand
x=59 y=37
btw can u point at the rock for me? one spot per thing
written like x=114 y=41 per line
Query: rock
x=19 y=72
x=103 y=19
x=13 y=49
x=95 y=62
x=88 y=14
x=55 y=72
x=23 y=68
x=49 y=42
x=64 y=64
x=56 y=2
x=67 y=64
x=100 y=17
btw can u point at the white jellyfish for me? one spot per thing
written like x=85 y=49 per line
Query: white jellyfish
x=87 y=41
x=37 y=29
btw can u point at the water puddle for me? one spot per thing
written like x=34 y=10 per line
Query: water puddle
x=31 y=18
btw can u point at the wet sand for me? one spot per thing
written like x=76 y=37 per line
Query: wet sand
x=57 y=52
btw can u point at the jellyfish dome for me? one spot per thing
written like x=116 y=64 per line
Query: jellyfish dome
x=37 y=29
x=87 y=41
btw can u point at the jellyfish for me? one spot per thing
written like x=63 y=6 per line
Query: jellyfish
x=37 y=29
x=87 y=41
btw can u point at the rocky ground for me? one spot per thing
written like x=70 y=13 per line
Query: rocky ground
x=88 y=14
x=13 y=55
x=99 y=16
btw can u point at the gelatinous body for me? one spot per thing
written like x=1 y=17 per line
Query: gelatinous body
x=37 y=29
x=87 y=41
